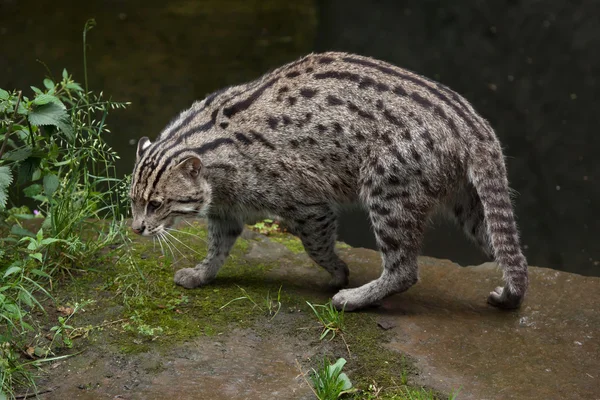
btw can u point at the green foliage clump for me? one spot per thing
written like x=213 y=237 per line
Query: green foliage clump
x=57 y=175
x=329 y=382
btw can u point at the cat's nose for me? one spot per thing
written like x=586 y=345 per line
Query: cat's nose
x=137 y=229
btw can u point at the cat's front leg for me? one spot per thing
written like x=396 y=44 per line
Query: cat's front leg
x=222 y=234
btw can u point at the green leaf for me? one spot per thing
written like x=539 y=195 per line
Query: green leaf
x=52 y=114
x=26 y=169
x=36 y=174
x=12 y=270
x=33 y=190
x=6 y=179
x=40 y=273
x=22 y=110
x=65 y=74
x=37 y=256
x=4 y=95
x=48 y=241
x=40 y=352
x=74 y=86
x=50 y=184
x=42 y=99
x=48 y=83
x=25 y=297
x=344 y=378
x=20 y=231
x=18 y=154
x=36 y=90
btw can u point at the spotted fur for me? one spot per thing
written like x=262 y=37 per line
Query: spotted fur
x=323 y=131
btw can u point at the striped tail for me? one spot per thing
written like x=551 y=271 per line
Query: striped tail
x=488 y=175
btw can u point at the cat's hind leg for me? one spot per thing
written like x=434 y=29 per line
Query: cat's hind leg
x=222 y=234
x=317 y=229
x=399 y=215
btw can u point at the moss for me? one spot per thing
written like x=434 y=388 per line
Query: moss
x=295 y=245
x=159 y=314
x=291 y=242
x=387 y=368
x=156 y=310
x=342 y=246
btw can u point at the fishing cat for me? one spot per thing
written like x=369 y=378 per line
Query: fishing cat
x=320 y=132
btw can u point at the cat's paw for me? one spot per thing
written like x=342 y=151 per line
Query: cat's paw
x=503 y=298
x=348 y=300
x=191 y=278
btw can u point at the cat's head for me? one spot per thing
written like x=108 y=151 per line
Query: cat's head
x=166 y=183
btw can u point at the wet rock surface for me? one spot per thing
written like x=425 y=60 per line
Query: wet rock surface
x=549 y=349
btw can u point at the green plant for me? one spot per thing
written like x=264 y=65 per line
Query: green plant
x=271 y=306
x=65 y=332
x=331 y=319
x=403 y=372
x=136 y=325
x=57 y=179
x=329 y=382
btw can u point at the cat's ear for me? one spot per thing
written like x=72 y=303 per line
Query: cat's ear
x=191 y=167
x=143 y=144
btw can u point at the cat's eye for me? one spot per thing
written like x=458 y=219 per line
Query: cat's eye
x=154 y=205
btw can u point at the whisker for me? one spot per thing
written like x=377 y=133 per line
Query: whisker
x=162 y=249
x=186 y=233
x=164 y=238
x=165 y=233
x=180 y=242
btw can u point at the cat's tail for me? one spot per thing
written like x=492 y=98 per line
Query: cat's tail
x=487 y=173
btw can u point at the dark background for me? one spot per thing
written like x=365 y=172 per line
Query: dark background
x=530 y=68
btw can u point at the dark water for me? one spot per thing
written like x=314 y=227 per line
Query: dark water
x=531 y=68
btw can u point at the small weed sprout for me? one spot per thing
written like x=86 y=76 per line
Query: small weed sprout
x=271 y=306
x=403 y=372
x=63 y=330
x=329 y=382
x=331 y=319
x=136 y=325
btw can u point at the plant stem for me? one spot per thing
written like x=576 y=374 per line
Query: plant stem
x=89 y=24
x=8 y=131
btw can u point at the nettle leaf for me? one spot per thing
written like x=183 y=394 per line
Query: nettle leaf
x=52 y=114
x=18 y=154
x=6 y=179
x=65 y=74
x=50 y=184
x=4 y=94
